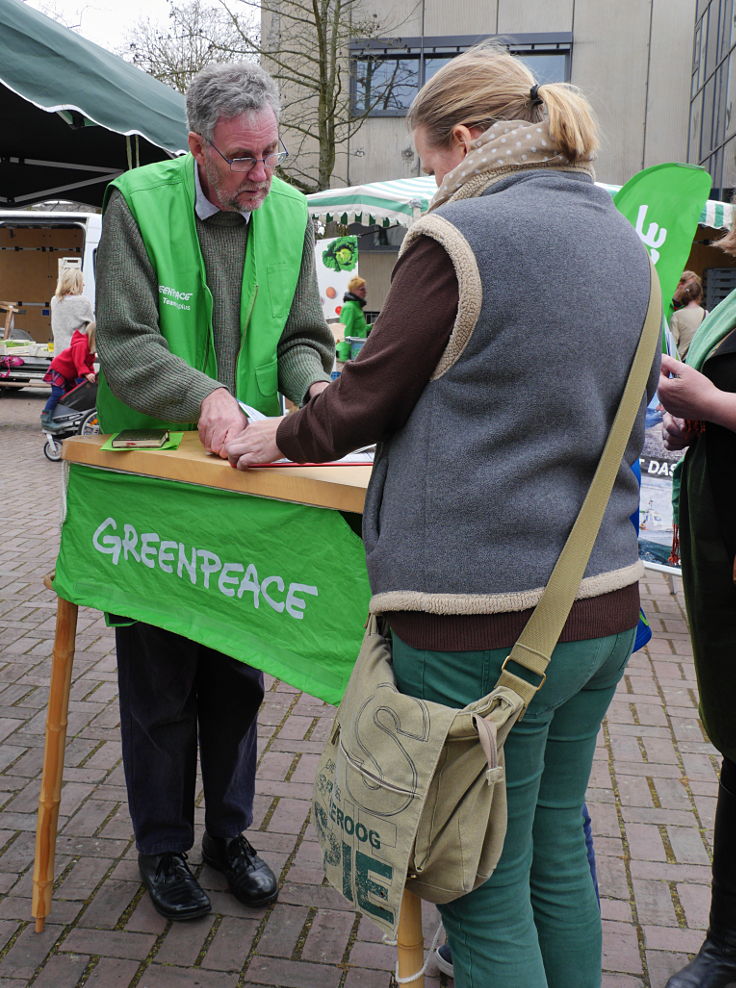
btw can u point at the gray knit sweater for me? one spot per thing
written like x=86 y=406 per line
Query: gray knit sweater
x=69 y=313
x=140 y=368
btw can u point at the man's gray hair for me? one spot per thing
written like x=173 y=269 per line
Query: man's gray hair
x=228 y=90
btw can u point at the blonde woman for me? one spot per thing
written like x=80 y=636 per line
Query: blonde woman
x=489 y=382
x=70 y=310
x=690 y=314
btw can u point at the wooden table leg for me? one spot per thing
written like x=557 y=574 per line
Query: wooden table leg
x=53 y=760
x=410 y=939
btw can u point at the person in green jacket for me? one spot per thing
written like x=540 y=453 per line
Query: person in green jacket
x=700 y=401
x=353 y=303
x=206 y=295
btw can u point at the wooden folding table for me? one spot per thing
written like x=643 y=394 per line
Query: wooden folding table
x=337 y=488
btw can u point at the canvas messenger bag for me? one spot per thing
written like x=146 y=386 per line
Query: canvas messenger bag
x=411 y=793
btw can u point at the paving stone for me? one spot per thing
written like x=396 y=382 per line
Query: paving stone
x=29 y=951
x=112 y=973
x=669 y=938
x=185 y=942
x=654 y=905
x=230 y=945
x=109 y=943
x=62 y=970
x=284 y=929
x=292 y=974
x=621 y=948
x=663 y=964
x=107 y=906
x=695 y=902
x=328 y=936
x=160 y=976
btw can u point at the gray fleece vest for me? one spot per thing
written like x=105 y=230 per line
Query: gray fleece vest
x=470 y=503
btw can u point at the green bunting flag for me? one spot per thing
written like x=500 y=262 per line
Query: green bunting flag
x=663 y=204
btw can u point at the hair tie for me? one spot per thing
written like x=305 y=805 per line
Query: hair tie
x=534 y=96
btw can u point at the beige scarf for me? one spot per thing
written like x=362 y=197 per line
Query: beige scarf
x=508 y=146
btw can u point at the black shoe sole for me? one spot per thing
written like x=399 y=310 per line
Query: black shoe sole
x=181 y=917
x=251 y=903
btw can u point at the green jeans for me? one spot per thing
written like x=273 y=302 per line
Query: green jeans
x=535 y=923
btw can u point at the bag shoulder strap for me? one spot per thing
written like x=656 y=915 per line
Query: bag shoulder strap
x=542 y=631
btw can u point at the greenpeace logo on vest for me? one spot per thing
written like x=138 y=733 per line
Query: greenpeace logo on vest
x=202 y=567
x=173 y=297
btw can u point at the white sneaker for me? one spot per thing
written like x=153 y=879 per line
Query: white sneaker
x=443 y=960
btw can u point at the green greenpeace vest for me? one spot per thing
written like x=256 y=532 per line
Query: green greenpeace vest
x=161 y=199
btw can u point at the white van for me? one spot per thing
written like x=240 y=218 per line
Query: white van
x=33 y=246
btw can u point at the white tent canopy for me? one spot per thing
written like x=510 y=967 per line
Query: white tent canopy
x=403 y=200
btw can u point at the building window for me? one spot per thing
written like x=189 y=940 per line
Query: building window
x=387 y=73
x=712 y=120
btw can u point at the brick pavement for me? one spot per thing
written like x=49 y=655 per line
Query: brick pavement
x=652 y=799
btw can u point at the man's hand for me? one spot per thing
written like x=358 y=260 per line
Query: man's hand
x=256 y=445
x=675 y=434
x=90 y=378
x=220 y=419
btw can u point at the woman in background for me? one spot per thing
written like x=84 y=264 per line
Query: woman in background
x=353 y=303
x=483 y=381
x=70 y=310
x=690 y=313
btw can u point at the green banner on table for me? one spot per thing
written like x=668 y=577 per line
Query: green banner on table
x=278 y=585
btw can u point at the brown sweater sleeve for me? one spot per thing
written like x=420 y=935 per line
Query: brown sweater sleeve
x=376 y=393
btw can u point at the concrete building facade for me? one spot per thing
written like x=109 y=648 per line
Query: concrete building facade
x=712 y=130
x=631 y=58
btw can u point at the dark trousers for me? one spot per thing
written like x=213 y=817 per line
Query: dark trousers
x=174 y=692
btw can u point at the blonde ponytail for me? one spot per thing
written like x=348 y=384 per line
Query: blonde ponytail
x=571 y=123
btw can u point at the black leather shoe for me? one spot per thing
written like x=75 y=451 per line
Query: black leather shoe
x=175 y=892
x=251 y=880
x=712 y=967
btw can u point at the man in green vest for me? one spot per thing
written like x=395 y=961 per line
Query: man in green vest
x=206 y=294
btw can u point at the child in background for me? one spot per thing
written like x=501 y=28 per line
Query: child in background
x=70 y=367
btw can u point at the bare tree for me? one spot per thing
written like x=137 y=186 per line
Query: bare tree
x=196 y=35
x=305 y=44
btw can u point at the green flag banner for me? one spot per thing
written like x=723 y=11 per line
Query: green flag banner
x=663 y=204
x=278 y=585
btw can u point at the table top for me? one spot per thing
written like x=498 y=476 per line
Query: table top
x=339 y=487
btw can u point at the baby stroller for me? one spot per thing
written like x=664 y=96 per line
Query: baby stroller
x=75 y=415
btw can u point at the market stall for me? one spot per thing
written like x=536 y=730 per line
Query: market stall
x=401 y=201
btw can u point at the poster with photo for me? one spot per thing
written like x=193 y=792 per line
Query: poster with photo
x=655 y=502
x=336 y=262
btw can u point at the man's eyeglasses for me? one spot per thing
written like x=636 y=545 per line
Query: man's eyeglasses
x=248 y=164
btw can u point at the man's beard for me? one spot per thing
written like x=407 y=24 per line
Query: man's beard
x=228 y=201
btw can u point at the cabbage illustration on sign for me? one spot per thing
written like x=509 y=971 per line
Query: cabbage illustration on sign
x=341 y=254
